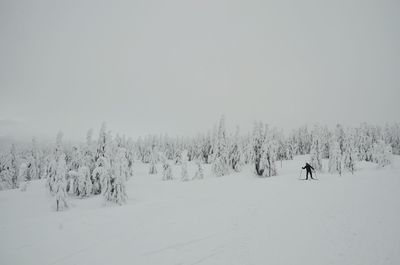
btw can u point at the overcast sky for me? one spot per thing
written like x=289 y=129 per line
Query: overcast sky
x=176 y=66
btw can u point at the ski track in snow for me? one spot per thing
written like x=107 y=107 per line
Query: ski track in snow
x=177 y=245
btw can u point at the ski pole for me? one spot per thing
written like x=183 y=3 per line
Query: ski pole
x=301 y=171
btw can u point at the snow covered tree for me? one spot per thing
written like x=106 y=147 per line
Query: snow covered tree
x=365 y=142
x=102 y=142
x=33 y=162
x=258 y=143
x=290 y=148
x=235 y=152
x=340 y=137
x=167 y=170
x=59 y=150
x=130 y=153
x=335 y=158
x=5 y=171
x=184 y=170
x=316 y=149
x=88 y=155
x=51 y=171
x=220 y=166
x=52 y=164
x=101 y=175
x=9 y=169
x=76 y=159
x=382 y=154
x=115 y=190
x=200 y=172
x=265 y=150
x=269 y=155
x=84 y=185
x=349 y=155
x=14 y=166
x=23 y=174
x=153 y=162
x=60 y=184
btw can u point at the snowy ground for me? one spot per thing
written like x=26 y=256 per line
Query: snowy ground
x=236 y=219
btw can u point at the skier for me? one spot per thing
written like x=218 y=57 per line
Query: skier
x=308 y=168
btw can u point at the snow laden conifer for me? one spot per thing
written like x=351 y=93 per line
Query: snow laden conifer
x=166 y=167
x=101 y=142
x=84 y=186
x=235 y=152
x=335 y=158
x=382 y=153
x=88 y=152
x=153 y=162
x=200 y=171
x=60 y=184
x=101 y=175
x=258 y=143
x=115 y=190
x=269 y=155
x=33 y=161
x=53 y=164
x=51 y=170
x=184 y=164
x=59 y=149
x=290 y=148
x=316 y=149
x=220 y=166
x=130 y=153
x=23 y=176
x=350 y=154
x=9 y=169
x=264 y=150
x=6 y=171
x=13 y=170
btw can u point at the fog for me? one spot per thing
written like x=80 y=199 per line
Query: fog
x=176 y=66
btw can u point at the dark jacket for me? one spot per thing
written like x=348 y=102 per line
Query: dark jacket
x=308 y=167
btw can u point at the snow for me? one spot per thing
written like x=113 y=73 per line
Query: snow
x=234 y=219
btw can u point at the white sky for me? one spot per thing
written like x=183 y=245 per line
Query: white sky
x=176 y=66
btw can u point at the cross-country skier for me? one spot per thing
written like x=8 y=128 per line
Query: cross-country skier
x=308 y=168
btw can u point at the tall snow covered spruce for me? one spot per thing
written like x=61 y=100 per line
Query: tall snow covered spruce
x=269 y=154
x=350 y=155
x=220 y=165
x=60 y=184
x=265 y=150
x=335 y=158
x=316 y=149
x=114 y=178
x=235 y=152
x=84 y=185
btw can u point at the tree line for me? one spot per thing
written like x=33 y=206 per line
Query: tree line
x=102 y=166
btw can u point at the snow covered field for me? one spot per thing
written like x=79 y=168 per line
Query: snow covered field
x=235 y=219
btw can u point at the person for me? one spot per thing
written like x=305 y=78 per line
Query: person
x=308 y=168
